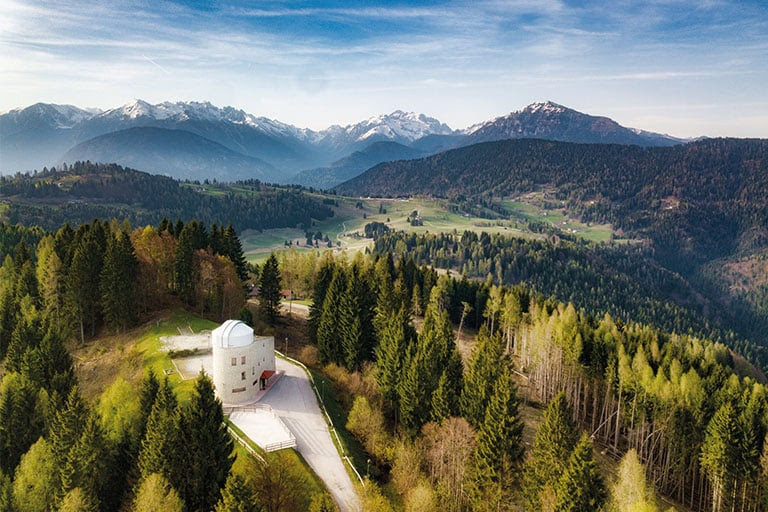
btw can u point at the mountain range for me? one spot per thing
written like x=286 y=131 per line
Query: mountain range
x=197 y=139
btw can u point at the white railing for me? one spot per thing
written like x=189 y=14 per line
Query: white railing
x=271 y=447
x=242 y=442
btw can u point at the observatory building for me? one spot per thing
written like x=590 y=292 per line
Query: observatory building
x=242 y=362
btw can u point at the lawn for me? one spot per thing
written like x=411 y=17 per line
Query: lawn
x=532 y=210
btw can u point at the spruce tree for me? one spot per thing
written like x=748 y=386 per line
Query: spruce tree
x=82 y=297
x=322 y=282
x=21 y=423
x=66 y=429
x=207 y=452
x=718 y=453
x=161 y=439
x=393 y=344
x=555 y=439
x=482 y=370
x=269 y=290
x=118 y=278
x=237 y=496
x=500 y=437
x=234 y=250
x=183 y=265
x=580 y=488
x=441 y=401
x=328 y=330
x=87 y=463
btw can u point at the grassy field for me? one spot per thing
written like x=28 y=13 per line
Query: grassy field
x=533 y=208
x=345 y=229
x=130 y=355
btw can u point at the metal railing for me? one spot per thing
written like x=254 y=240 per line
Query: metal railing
x=271 y=447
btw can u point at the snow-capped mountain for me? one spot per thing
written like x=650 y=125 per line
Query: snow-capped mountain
x=551 y=121
x=401 y=127
x=39 y=135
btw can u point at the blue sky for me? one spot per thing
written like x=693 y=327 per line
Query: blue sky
x=682 y=67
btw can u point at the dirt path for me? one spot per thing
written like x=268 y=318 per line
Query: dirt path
x=293 y=399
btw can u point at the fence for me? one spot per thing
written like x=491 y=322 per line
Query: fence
x=266 y=408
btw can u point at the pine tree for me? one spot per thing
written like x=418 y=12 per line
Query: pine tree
x=82 y=297
x=500 y=437
x=154 y=494
x=631 y=491
x=269 y=290
x=718 y=457
x=480 y=376
x=555 y=439
x=162 y=437
x=234 y=250
x=21 y=422
x=67 y=427
x=322 y=282
x=328 y=330
x=184 y=277
x=237 y=496
x=79 y=500
x=441 y=401
x=393 y=344
x=580 y=488
x=118 y=278
x=207 y=452
x=87 y=462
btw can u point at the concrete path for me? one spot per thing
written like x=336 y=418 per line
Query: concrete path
x=293 y=399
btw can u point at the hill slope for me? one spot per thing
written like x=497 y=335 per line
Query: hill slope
x=695 y=202
x=176 y=153
x=351 y=166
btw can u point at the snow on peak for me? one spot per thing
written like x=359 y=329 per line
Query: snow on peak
x=58 y=116
x=546 y=107
x=399 y=125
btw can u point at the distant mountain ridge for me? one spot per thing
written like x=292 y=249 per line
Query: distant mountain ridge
x=551 y=121
x=40 y=135
x=175 y=153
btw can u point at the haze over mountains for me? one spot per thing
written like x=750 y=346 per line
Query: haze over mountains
x=196 y=140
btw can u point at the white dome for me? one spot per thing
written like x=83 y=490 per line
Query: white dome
x=232 y=333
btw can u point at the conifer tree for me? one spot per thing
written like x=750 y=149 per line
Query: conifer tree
x=207 y=453
x=441 y=401
x=66 y=428
x=631 y=491
x=21 y=422
x=118 y=278
x=393 y=344
x=328 y=330
x=580 y=488
x=161 y=440
x=82 y=297
x=269 y=290
x=35 y=481
x=147 y=396
x=555 y=439
x=500 y=437
x=183 y=265
x=718 y=453
x=480 y=376
x=237 y=496
x=350 y=325
x=154 y=494
x=322 y=282
x=234 y=250
x=87 y=462
x=79 y=500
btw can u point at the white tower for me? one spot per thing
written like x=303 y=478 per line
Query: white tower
x=242 y=364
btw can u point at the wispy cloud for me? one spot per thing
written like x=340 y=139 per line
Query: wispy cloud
x=315 y=62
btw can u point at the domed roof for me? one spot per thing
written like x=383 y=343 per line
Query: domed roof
x=232 y=333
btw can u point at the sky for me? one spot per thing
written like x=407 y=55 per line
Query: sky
x=683 y=67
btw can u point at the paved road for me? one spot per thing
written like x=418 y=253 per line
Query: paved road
x=294 y=401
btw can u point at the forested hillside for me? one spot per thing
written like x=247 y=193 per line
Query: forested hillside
x=84 y=191
x=58 y=452
x=695 y=202
x=622 y=280
x=448 y=430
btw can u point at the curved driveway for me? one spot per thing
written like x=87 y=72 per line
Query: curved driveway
x=293 y=399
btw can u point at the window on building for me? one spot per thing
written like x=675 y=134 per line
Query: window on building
x=242 y=360
x=242 y=376
x=234 y=361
